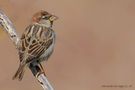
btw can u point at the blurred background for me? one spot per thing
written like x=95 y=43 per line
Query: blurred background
x=95 y=44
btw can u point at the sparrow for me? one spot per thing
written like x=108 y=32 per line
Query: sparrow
x=37 y=42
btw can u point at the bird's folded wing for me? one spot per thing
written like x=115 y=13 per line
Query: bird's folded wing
x=33 y=46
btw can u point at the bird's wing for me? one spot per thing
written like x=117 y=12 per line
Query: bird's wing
x=34 y=42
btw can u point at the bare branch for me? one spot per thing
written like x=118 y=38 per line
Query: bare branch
x=9 y=28
x=36 y=70
x=45 y=85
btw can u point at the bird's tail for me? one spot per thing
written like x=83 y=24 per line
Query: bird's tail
x=20 y=72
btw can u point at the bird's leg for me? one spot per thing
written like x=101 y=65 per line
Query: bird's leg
x=37 y=68
x=42 y=69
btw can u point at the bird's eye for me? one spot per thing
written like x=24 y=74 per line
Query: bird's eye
x=44 y=17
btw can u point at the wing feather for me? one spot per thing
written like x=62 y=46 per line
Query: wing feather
x=34 y=45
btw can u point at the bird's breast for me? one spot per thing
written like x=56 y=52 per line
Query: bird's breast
x=47 y=53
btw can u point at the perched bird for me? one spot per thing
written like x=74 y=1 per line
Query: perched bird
x=37 y=42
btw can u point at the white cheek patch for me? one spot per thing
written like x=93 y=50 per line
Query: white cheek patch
x=46 y=23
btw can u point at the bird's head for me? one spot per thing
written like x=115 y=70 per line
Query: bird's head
x=44 y=18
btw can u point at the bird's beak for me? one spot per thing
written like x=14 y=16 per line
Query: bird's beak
x=53 y=18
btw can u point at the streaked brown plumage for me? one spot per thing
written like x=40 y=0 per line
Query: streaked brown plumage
x=37 y=42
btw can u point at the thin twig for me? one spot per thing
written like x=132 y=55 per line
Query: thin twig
x=36 y=69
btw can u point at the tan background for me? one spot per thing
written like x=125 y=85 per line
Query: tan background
x=95 y=44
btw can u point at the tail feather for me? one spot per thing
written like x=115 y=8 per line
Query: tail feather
x=20 y=72
x=20 y=77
